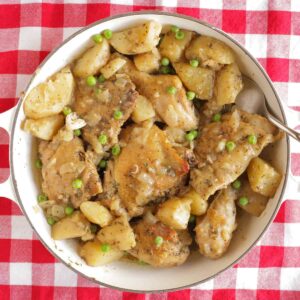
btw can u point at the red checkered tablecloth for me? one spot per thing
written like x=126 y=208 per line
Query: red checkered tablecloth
x=270 y=30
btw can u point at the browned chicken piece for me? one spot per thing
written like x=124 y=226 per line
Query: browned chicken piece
x=171 y=250
x=174 y=109
x=214 y=231
x=218 y=166
x=147 y=168
x=64 y=162
x=97 y=106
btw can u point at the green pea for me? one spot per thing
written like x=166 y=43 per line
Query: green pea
x=237 y=184
x=101 y=78
x=179 y=35
x=216 y=117
x=91 y=80
x=190 y=95
x=97 y=38
x=105 y=248
x=69 y=210
x=174 y=28
x=118 y=115
x=42 y=198
x=158 y=241
x=102 y=164
x=38 y=164
x=243 y=201
x=171 y=90
x=67 y=110
x=115 y=150
x=50 y=221
x=77 y=183
x=252 y=139
x=107 y=34
x=194 y=63
x=165 y=62
x=190 y=136
x=77 y=132
x=230 y=146
x=102 y=139
x=165 y=69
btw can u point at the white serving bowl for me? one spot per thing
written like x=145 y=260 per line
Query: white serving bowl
x=124 y=275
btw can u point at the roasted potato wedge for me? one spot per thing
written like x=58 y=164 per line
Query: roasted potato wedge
x=112 y=67
x=205 y=48
x=198 y=205
x=175 y=212
x=148 y=62
x=143 y=110
x=45 y=128
x=50 y=97
x=139 y=39
x=199 y=80
x=118 y=233
x=96 y=213
x=92 y=254
x=263 y=178
x=92 y=60
x=228 y=84
x=173 y=48
x=70 y=227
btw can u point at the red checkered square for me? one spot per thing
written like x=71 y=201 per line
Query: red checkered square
x=233 y=4
x=179 y=295
x=200 y=294
x=133 y=296
x=278 y=69
x=8 y=63
x=5 y=245
x=42 y=292
x=189 y=11
x=256 y=22
x=224 y=294
x=269 y=294
x=88 y=293
x=292 y=211
x=263 y=62
x=5 y=207
x=40 y=254
x=290 y=295
x=251 y=260
x=294 y=70
x=160 y=296
x=211 y=16
x=291 y=257
x=6 y=104
x=31 y=14
x=43 y=274
x=245 y=294
x=84 y=282
x=28 y=61
x=5 y=227
x=271 y=256
x=268 y=278
x=51 y=38
x=74 y=15
x=295 y=23
x=15 y=210
x=279 y=22
x=11 y=36
x=20 y=250
x=280 y=217
x=9 y=16
x=20 y=292
x=119 y=9
x=5 y=292
x=52 y=15
x=4 y=156
x=4 y=137
x=143 y=7
x=226 y=279
x=234 y=21
x=61 y=292
x=96 y=12
x=4 y=274
x=278 y=46
x=295 y=164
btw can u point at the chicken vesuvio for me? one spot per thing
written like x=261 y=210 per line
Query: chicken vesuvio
x=138 y=154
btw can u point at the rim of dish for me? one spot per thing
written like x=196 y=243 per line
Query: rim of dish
x=147 y=12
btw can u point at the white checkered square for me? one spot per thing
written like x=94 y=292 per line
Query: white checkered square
x=20 y=228
x=257 y=45
x=295 y=46
x=257 y=5
x=291 y=234
x=68 y=31
x=167 y=3
x=122 y=2
x=289 y=279
x=20 y=273
x=30 y=38
x=64 y=276
x=208 y=285
x=246 y=278
x=293 y=94
x=212 y=4
x=295 y=5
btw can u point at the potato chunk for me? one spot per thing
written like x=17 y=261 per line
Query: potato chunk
x=143 y=110
x=199 y=80
x=139 y=39
x=175 y=212
x=92 y=60
x=228 y=84
x=44 y=128
x=70 y=227
x=148 y=62
x=173 y=48
x=92 y=254
x=118 y=233
x=112 y=67
x=198 y=204
x=263 y=178
x=50 y=97
x=96 y=213
x=205 y=48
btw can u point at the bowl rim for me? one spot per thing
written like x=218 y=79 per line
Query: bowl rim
x=147 y=12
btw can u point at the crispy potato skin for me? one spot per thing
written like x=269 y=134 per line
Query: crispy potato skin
x=148 y=62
